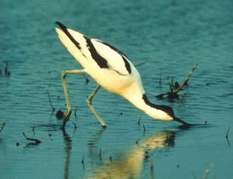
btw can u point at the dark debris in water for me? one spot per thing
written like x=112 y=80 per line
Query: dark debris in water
x=144 y=129
x=147 y=156
x=75 y=126
x=31 y=141
x=4 y=71
x=2 y=126
x=87 y=80
x=100 y=155
x=110 y=158
x=50 y=102
x=83 y=163
x=175 y=87
x=227 y=136
x=139 y=121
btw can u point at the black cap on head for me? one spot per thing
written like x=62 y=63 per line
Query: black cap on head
x=164 y=108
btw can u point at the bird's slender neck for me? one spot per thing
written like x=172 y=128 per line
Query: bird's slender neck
x=140 y=103
x=140 y=100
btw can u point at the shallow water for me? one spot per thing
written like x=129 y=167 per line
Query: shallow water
x=168 y=37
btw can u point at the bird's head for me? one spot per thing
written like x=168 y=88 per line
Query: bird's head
x=163 y=112
x=167 y=113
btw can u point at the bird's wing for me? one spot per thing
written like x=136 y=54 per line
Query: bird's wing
x=116 y=60
x=83 y=47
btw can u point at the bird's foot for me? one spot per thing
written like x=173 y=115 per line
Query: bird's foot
x=63 y=115
x=66 y=118
x=67 y=115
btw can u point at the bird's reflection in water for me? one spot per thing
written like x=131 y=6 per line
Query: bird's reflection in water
x=130 y=165
x=68 y=148
x=93 y=152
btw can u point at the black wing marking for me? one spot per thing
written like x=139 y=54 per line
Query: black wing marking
x=102 y=62
x=64 y=29
x=127 y=65
x=95 y=55
x=124 y=57
x=165 y=108
x=114 y=48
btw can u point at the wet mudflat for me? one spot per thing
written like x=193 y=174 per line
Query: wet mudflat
x=165 y=39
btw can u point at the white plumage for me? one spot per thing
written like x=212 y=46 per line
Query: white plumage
x=112 y=70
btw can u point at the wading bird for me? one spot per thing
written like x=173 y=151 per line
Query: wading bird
x=112 y=70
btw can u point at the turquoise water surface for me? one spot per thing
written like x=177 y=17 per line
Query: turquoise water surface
x=164 y=38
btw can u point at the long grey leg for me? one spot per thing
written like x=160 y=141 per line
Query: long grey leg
x=67 y=98
x=92 y=109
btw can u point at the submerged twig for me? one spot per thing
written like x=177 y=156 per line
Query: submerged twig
x=75 y=112
x=50 y=101
x=139 y=121
x=100 y=155
x=75 y=127
x=110 y=158
x=175 y=87
x=83 y=163
x=227 y=136
x=144 y=129
x=86 y=79
x=33 y=130
x=152 y=173
x=33 y=141
x=5 y=71
x=2 y=126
